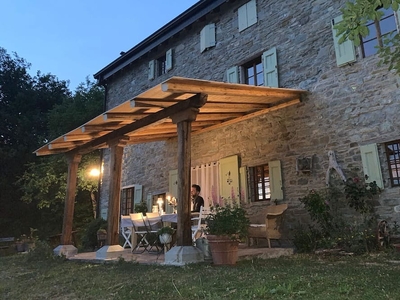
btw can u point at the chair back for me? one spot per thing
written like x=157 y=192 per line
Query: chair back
x=137 y=220
x=153 y=221
x=196 y=224
x=126 y=221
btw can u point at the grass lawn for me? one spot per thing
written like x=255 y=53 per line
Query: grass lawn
x=297 y=277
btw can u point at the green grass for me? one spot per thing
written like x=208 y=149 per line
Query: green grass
x=295 y=277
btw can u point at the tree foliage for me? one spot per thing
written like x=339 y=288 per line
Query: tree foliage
x=25 y=101
x=33 y=111
x=356 y=15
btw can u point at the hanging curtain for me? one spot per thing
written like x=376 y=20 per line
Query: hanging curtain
x=207 y=177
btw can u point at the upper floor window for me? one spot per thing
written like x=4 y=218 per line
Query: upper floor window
x=161 y=65
x=259 y=183
x=253 y=72
x=377 y=31
x=393 y=160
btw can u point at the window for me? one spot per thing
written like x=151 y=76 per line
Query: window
x=161 y=63
x=127 y=198
x=247 y=15
x=253 y=72
x=259 y=183
x=393 y=160
x=377 y=31
x=262 y=71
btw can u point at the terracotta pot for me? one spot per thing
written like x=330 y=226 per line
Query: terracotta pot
x=224 y=250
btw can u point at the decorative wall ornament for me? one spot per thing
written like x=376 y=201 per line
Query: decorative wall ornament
x=229 y=179
x=333 y=165
x=304 y=164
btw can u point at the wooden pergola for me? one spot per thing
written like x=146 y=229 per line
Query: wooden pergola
x=178 y=107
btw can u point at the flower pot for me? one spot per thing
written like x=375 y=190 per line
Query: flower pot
x=165 y=238
x=224 y=250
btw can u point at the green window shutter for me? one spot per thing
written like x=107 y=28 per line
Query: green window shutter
x=244 y=198
x=137 y=198
x=151 y=69
x=371 y=164
x=345 y=52
x=275 y=180
x=229 y=178
x=232 y=75
x=242 y=17
x=207 y=37
x=251 y=13
x=168 y=62
x=270 y=68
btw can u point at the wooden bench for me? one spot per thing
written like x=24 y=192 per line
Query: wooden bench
x=267 y=224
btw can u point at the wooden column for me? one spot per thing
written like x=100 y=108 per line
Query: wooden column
x=113 y=217
x=73 y=162
x=184 y=120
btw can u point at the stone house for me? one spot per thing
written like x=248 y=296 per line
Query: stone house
x=351 y=106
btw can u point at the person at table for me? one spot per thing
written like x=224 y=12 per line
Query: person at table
x=197 y=200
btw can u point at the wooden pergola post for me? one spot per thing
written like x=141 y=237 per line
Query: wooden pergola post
x=184 y=121
x=117 y=151
x=73 y=162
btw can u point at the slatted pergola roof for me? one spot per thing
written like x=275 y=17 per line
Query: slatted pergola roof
x=146 y=117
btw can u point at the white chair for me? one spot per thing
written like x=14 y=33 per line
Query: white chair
x=126 y=230
x=196 y=225
x=139 y=228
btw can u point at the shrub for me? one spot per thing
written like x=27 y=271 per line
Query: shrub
x=330 y=228
x=89 y=238
x=42 y=252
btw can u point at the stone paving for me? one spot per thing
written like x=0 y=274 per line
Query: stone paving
x=154 y=258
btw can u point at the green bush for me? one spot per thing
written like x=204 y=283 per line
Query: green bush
x=89 y=238
x=41 y=252
x=330 y=228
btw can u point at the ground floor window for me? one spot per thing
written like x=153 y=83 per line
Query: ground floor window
x=127 y=198
x=259 y=183
x=393 y=160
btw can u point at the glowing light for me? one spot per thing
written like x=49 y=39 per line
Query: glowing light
x=94 y=172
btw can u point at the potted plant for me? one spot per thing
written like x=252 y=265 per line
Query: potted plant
x=141 y=208
x=101 y=237
x=165 y=234
x=225 y=227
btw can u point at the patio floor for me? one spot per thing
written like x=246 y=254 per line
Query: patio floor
x=244 y=252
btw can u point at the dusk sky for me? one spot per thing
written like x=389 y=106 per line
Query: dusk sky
x=76 y=38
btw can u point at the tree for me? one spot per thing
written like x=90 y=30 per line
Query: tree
x=24 y=104
x=356 y=14
x=44 y=182
x=33 y=111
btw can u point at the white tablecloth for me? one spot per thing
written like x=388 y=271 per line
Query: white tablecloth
x=172 y=218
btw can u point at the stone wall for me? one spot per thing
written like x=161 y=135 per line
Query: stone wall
x=346 y=107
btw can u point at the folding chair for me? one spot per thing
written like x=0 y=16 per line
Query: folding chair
x=153 y=223
x=139 y=228
x=126 y=230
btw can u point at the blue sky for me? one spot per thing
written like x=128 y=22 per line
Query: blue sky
x=76 y=38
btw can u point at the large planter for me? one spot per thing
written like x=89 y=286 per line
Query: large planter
x=224 y=250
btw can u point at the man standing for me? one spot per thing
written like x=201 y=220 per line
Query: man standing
x=197 y=200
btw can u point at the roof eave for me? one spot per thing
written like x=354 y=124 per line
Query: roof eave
x=185 y=19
